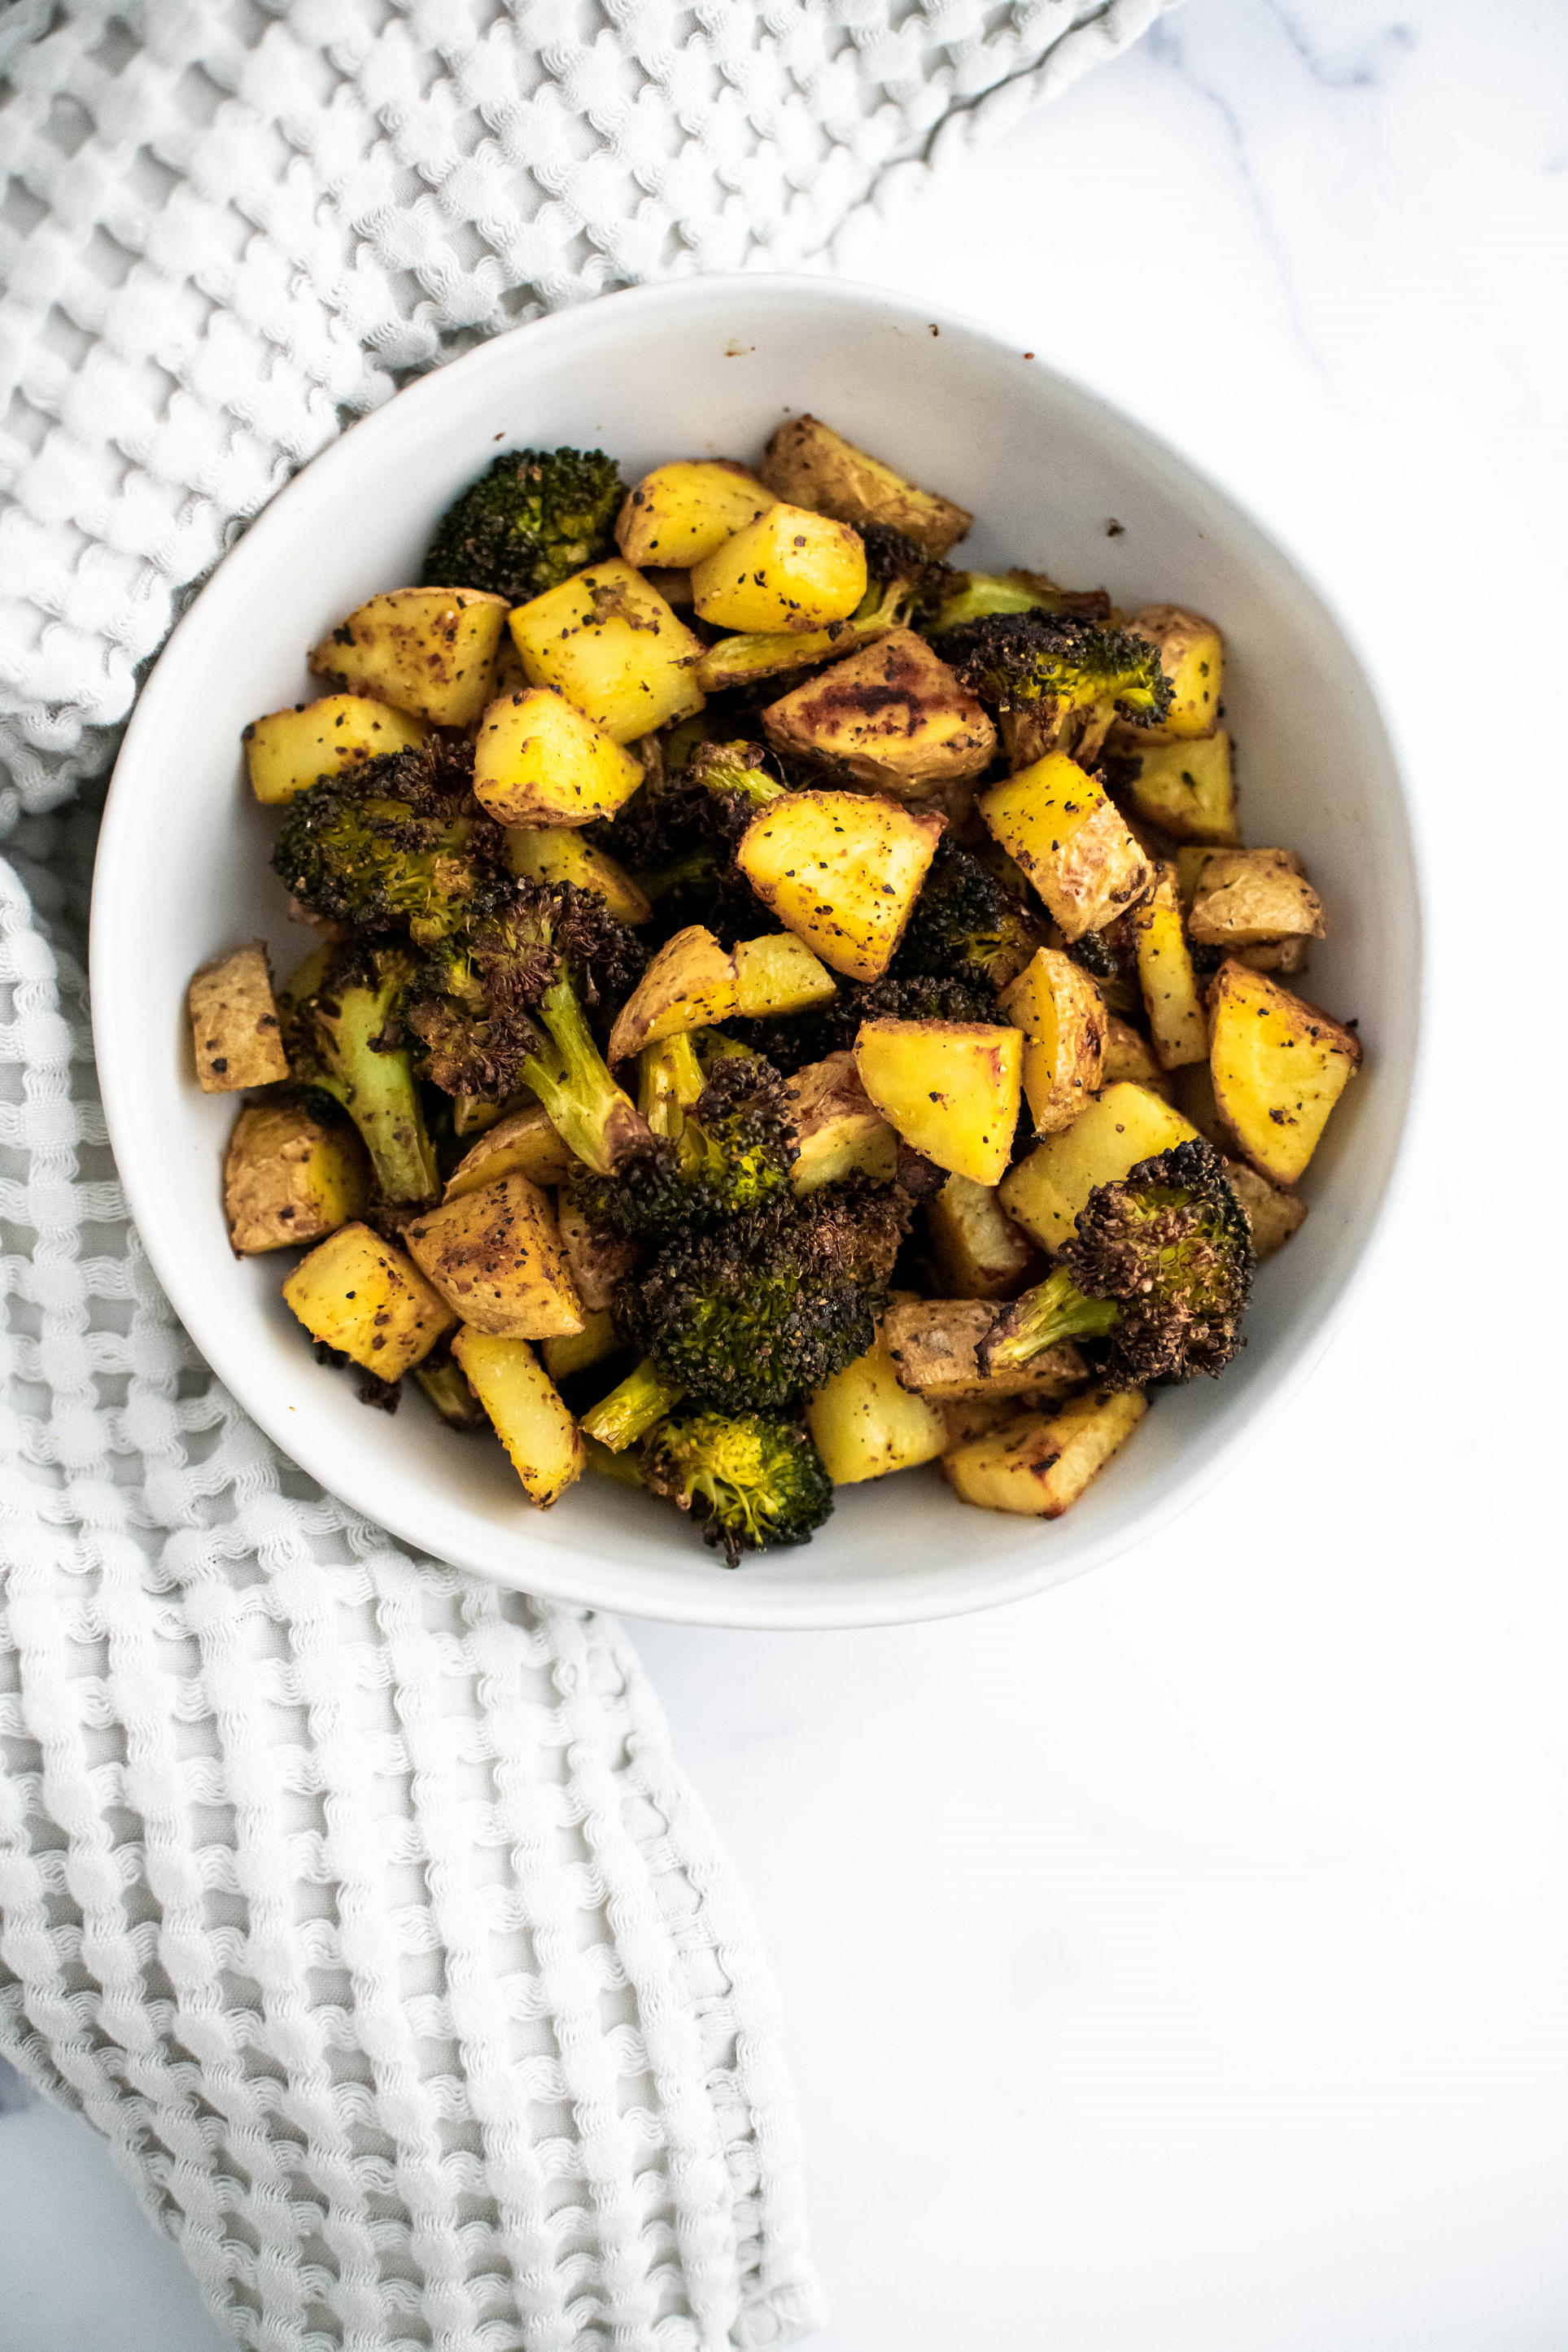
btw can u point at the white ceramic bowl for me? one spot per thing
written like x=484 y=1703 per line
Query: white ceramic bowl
x=710 y=366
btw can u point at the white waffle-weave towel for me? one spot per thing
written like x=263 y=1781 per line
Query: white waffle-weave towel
x=359 y=1906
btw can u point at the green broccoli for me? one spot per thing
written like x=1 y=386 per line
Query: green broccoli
x=628 y=1410
x=719 y=1146
x=966 y=924
x=531 y=519
x=752 y=1479
x=341 y=1017
x=398 y=846
x=1057 y=680
x=1161 y=1268
x=975 y=595
x=770 y=1305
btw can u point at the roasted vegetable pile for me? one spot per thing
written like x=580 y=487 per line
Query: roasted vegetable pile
x=781 y=1009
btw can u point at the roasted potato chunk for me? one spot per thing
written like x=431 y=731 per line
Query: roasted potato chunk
x=788 y=570
x=1071 y=840
x=1125 y=1123
x=289 y=749
x=841 y=870
x=290 y=1177
x=431 y=651
x=234 y=1023
x=358 y=1294
x=524 y=1412
x=1279 y=1067
x=813 y=466
x=495 y=1256
x=1192 y=655
x=777 y=974
x=893 y=714
x=1063 y=1019
x=978 y=1251
x=1273 y=1216
x=932 y=1343
x=685 y=511
x=556 y=854
x=1039 y=1465
x=1187 y=788
x=690 y=984
x=1128 y=1056
x=598 y=1259
x=614 y=647
x=839 y=1128
x=523 y=1143
x=951 y=1088
x=538 y=760
x=864 y=1425
x=579 y=1351
x=1176 y=1020
x=1254 y=898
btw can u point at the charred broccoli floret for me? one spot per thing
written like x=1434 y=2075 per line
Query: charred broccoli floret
x=398 y=846
x=1058 y=680
x=1161 y=1268
x=532 y=518
x=718 y=1147
x=974 y=596
x=966 y=923
x=341 y=1019
x=752 y=1479
x=770 y=1305
x=677 y=838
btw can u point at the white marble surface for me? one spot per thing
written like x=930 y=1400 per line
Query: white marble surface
x=1182 y=1959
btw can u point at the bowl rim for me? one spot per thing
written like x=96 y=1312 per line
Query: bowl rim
x=568 y=1573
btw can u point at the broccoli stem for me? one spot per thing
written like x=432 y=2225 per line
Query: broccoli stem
x=656 y=882
x=629 y=1411
x=621 y=1469
x=1054 y=1311
x=375 y=1084
x=582 y=1102
x=670 y=1079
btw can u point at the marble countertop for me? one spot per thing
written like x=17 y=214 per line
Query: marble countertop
x=1181 y=1957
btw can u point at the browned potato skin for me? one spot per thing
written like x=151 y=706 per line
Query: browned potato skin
x=837 y=1128
x=496 y=1257
x=290 y=1177
x=1063 y=1019
x=1272 y=1214
x=978 y=1251
x=1290 y=956
x=597 y=1259
x=523 y=1143
x=1254 y=898
x=428 y=651
x=809 y=465
x=1192 y=655
x=1130 y=1056
x=933 y=1343
x=690 y=984
x=893 y=715
x=234 y=1023
x=1177 y=1024
x=1040 y=1464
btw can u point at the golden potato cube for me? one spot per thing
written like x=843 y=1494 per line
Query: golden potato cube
x=933 y=1344
x=1254 y=898
x=1279 y=1067
x=689 y=984
x=495 y=1255
x=1071 y=841
x=289 y=749
x=1040 y=1464
x=556 y=854
x=978 y=1251
x=952 y=1088
x=778 y=974
x=685 y=511
x=598 y=1259
x=1063 y=1019
x=841 y=870
x=893 y=714
x=1273 y=1216
x=614 y=647
x=290 y=1177
x=523 y=1143
x=526 y=1414
x=1187 y=788
x=1045 y=1192
x=1176 y=1020
x=358 y=1294
x=1192 y=655
x=579 y=1351
x=431 y=651
x=839 y=1128
x=864 y=1425
x=234 y=1023
x=1129 y=1055
x=813 y=466
x=538 y=760
x=787 y=570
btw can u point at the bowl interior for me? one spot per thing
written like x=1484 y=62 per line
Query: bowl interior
x=710 y=367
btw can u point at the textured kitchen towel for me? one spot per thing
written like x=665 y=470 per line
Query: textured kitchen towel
x=359 y=1904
